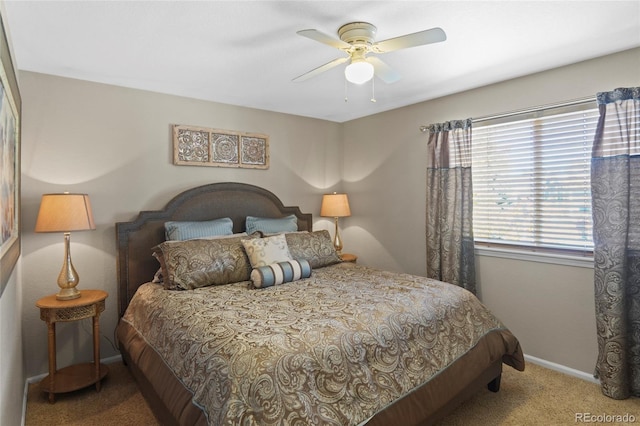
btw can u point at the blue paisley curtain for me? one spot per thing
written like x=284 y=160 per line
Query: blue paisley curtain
x=615 y=192
x=450 y=255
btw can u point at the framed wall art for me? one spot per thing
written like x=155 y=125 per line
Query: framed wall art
x=10 y=108
x=201 y=146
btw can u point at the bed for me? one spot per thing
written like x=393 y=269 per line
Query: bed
x=344 y=344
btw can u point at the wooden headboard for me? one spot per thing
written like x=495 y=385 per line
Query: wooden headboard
x=134 y=240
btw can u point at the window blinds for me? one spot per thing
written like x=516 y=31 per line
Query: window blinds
x=531 y=178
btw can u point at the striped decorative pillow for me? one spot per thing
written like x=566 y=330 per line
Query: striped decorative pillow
x=281 y=272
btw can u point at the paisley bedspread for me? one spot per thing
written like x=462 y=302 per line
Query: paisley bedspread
x=334 y=348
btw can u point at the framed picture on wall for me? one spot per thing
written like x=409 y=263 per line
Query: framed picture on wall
x=202 y=146
x=10 y=108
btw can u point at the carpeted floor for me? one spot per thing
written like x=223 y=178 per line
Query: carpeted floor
x=118 y=403
x=537 y=396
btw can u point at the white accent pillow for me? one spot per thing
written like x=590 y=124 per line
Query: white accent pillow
x=267 y=251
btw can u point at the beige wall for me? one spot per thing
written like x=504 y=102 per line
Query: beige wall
x=114 y=144
x=550 y=308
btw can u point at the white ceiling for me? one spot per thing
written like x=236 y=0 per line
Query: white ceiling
x=246 y=53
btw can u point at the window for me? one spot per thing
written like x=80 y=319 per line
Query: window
x=531 y=178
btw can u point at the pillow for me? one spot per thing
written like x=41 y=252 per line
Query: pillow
x=158 y=278
x=281 y=272
x=180 y=231
x=271 y=225
x=315 y=247
x=191 y=264
x=265 y=251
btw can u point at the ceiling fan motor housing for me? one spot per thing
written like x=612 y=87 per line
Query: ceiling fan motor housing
x=356 y=33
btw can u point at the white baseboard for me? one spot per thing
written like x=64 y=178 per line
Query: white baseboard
x=561 y=368
x=35 y=379
x=24 y=402
x=111 y=359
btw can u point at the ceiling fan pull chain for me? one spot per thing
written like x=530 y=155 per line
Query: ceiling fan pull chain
x=373 y=90
x=346 y=98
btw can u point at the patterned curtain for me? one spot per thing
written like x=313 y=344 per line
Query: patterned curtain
x=615 y=192
x=450 y=255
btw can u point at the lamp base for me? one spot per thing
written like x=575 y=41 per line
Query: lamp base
x=68 y=278
x=68 y=294
x=337 y=241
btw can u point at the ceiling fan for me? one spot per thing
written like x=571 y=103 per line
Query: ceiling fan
x=357 y=40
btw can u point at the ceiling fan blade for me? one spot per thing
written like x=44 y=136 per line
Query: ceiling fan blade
x=320 y=69
x=383 y=71
x=434 y=35
x=325 y=39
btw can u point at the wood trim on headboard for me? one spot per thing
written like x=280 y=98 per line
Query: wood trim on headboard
x=134 y=240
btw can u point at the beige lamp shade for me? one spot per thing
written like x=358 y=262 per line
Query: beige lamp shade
x=65 y=213
x=335 y=205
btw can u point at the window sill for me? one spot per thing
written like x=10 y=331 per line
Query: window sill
x=530 y=256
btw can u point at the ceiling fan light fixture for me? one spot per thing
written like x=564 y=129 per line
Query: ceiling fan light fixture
x=359 y=72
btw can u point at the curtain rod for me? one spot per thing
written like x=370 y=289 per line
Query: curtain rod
x=425 y=129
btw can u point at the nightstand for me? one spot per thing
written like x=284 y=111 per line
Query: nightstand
x=348 y=257
x=90 y=304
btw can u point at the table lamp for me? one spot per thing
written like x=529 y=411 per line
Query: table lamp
x=335 y=205
x=65 y=212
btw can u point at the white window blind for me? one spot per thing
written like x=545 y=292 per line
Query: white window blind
x=531 y=178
